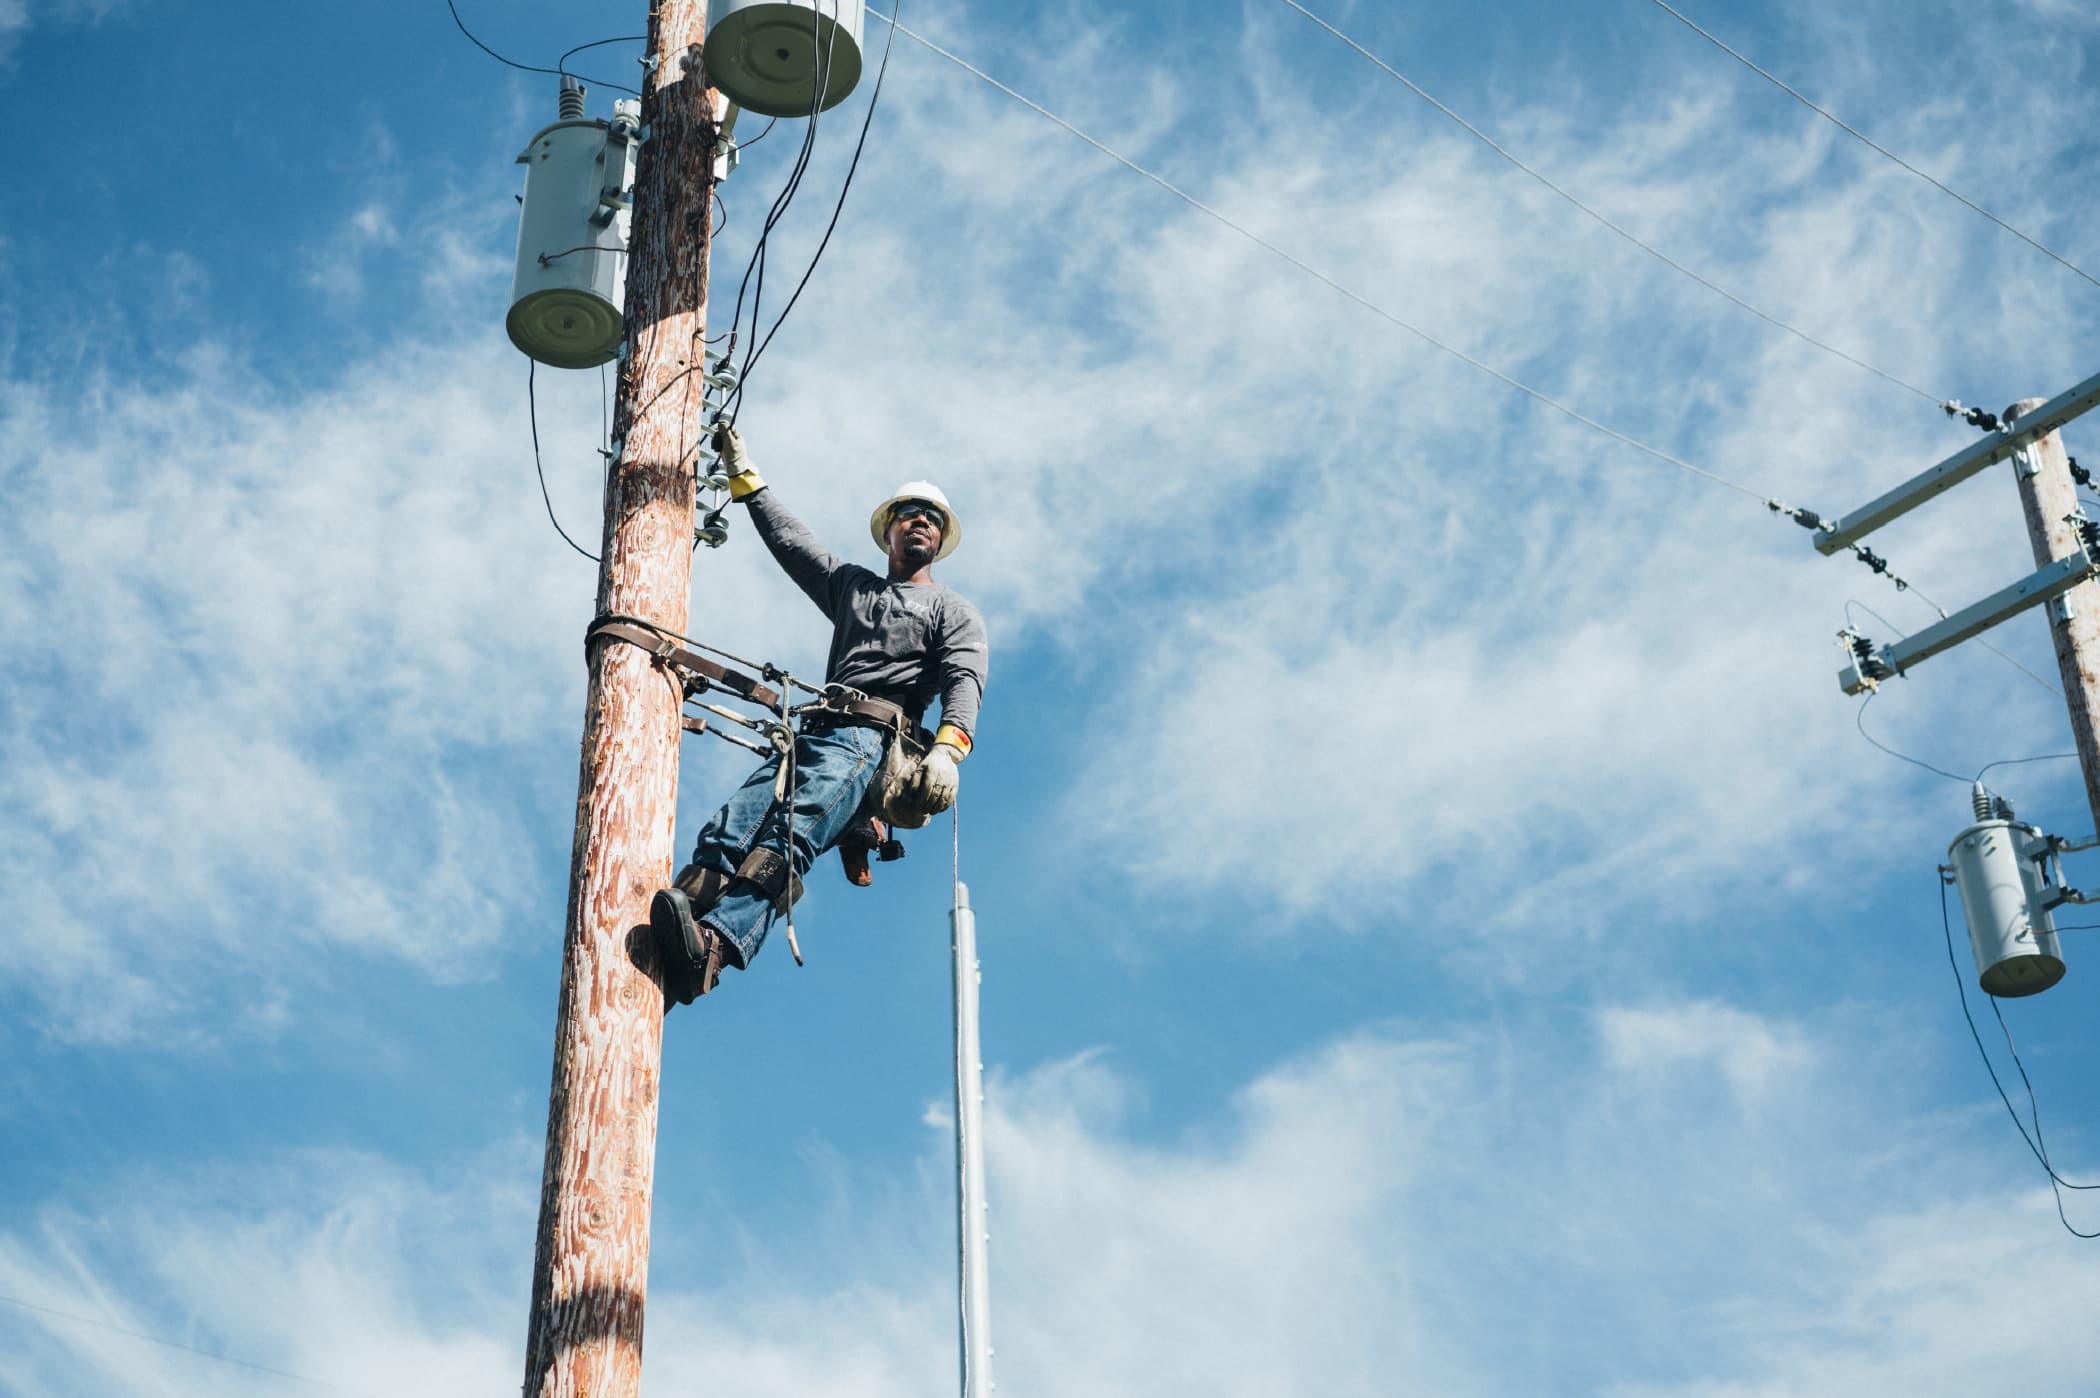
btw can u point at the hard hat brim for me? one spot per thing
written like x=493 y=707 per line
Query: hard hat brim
x=927 y=491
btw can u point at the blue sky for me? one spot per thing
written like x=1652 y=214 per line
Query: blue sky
x=1442 y=929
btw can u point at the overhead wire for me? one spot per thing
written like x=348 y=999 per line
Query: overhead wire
x=1365 y=302
x=1317 y=275
x=2035 y=1145
x=1859 y=720
x=528 y=67
x=1498 y=148
x=179 y=1345
x=1865 y=139
x=562 y=64
x=752 y=358
x=532 y=412
x=821 y=57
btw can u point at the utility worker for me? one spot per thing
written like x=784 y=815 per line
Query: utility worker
x=897 y=642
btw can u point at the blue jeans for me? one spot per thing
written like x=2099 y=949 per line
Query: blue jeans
x=833 y=772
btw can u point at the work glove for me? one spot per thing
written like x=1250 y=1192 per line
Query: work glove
x=744 y=481
x=934 y=790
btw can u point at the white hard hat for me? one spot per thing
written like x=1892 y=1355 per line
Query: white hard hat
x=879 y=522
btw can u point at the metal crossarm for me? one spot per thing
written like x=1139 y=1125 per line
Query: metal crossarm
x=1850 y=529
x=2042 y=585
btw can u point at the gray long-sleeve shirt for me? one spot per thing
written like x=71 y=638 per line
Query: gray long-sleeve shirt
x=900 y=641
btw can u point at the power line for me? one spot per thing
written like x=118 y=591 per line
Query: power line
x=187 y=1349
x=751 y=358
x=1381 y=312
x=1867 y=141
x=2057 y=1183
x=530 y=68
x=1370 y=305
x=1859 y=721
x=1492 y=144
x=532 y=410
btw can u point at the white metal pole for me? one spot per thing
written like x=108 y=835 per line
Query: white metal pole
x=971 y=1226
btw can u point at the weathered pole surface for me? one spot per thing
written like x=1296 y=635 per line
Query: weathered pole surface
x=2047 y=494
x=591 y=1260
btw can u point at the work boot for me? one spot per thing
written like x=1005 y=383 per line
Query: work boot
x=691 y=952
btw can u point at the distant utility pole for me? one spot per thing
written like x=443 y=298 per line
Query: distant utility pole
x=2047 y=495
x=591 y=1262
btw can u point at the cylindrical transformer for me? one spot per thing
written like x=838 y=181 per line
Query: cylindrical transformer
x=2011 y=934
x=768 y=56
x=568 y=295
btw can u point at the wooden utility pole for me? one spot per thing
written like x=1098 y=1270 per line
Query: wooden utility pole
x=2047 y=494
x=591 y=1260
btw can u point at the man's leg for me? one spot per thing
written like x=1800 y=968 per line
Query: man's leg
x=727 y=898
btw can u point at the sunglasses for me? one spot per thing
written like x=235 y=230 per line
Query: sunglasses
x=913 y=509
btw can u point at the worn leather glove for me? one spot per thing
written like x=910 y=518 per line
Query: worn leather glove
x=744 y=481
x=938 y=779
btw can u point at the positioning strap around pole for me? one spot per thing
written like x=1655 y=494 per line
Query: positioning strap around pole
x=679 y=657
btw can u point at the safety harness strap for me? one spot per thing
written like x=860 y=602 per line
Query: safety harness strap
x=680 y=657
x=767 y=871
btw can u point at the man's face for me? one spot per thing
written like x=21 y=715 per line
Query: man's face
x=915 y=532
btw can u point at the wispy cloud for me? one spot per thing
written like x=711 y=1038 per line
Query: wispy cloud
x=1590 y=1208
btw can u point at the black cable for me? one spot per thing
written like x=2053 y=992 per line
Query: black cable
x=757 y=262
x=2056 y=1182
x=1860 y=721
x=527 y=67
x=532 y=410
x=751 y=361
x=562 y=64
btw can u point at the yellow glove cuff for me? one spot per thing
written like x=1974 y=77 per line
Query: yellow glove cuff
x=955 y=738
x=744 y=486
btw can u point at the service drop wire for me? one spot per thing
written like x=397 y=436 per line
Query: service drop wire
x=751 y=359
x=530 y=68
x=821 y=58
x=532 y=413
x=2057 y=1183
x=733 y=405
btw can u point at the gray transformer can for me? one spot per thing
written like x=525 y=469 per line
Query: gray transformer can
x=2002 y=889
x=569 y=292
x=767 y=56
